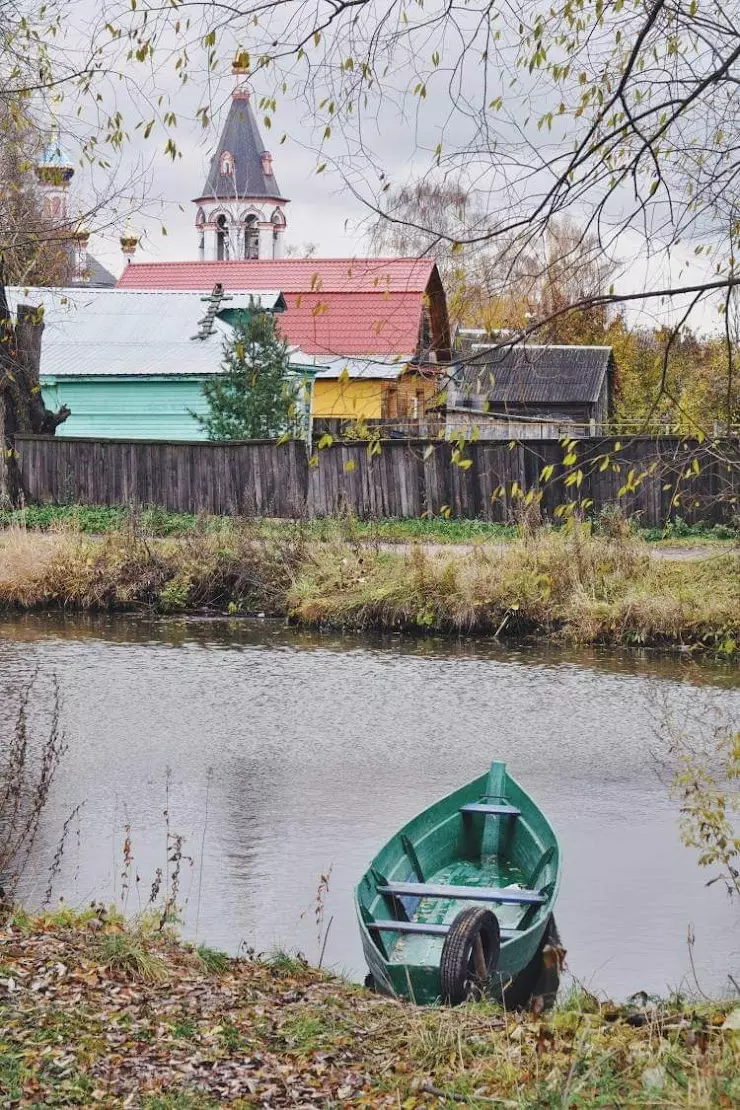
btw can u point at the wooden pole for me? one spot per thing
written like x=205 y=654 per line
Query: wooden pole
x=6 y=499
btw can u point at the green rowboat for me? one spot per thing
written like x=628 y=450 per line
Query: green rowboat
x=459 y=903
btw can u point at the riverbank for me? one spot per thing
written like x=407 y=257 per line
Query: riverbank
x=572 y=586
x=95 y=1012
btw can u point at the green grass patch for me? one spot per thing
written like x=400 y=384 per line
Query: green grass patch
x=129 y=953
x=286 y=963
x=302 y=1031
x=677 y=529
x=214 y=961
x=184 y=1029
x=157 y=522
x=99 y=519
x=13 y=1075
x=153 y=521
x=436 y=529
x=232 y=1038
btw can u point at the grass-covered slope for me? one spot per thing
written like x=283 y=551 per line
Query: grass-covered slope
x=574 y=585
x=94 y=1013
x=586 y=589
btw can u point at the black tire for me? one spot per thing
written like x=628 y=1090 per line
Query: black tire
x=469 y=955
x=539 y=979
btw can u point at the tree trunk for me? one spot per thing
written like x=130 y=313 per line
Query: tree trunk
x=32 y=413
x=21 y=405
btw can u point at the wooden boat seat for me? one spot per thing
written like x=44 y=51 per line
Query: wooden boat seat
x=428 y=928
x=494 y=810
x=473 y=893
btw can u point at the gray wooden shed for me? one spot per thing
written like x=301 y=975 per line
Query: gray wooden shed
x=525 y=391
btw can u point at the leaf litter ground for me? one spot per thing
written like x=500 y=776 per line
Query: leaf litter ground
x=95 y=1012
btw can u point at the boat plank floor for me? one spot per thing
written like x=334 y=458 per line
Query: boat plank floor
x=426 y=949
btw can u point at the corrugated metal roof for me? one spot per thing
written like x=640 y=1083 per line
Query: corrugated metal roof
x=116 y=332
x=534 y=374
x=366 y=368
x=339 y=306
x=242 y=139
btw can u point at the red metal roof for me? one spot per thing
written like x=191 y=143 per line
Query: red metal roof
x=353 y=323
x=290 y=275
x=345 y=306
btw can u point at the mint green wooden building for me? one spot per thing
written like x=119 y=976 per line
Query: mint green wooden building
x=136 y=407
x=132 y=365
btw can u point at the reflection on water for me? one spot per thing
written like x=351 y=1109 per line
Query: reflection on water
x=290 y=752
x=236 y=633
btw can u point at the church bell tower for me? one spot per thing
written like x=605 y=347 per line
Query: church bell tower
x=54 y=171
x=241 y=211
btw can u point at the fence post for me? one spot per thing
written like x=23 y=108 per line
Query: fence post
x=5 y=448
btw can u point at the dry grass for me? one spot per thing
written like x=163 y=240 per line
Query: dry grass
x=125 y=570
x=24 y=560
x=589 y=589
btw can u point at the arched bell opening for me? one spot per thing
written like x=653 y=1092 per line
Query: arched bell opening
x=251 y=238
x=222 y=239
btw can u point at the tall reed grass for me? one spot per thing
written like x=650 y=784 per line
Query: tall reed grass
x=32 y=744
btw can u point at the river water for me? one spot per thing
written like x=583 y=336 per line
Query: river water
x=279 y=755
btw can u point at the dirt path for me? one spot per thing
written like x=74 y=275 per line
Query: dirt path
x=657 y=551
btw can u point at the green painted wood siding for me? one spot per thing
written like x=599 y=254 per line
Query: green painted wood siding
x=128 y=408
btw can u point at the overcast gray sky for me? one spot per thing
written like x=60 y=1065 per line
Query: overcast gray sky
x=398 y=136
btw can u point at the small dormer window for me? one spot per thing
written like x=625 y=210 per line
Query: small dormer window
x=226 y=165
x=266 y=159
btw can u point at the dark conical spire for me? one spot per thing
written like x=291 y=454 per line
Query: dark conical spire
x=248 y=170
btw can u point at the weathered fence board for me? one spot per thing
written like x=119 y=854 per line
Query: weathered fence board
x=653 y=477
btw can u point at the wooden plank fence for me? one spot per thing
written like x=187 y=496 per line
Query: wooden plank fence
x=655 y=477
x=249 y=479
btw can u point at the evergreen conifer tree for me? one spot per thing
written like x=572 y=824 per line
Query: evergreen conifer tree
x=253 y=398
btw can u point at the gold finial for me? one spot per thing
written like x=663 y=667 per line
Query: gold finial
x=129 y=242
x=240 y=65
x=240 y=69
